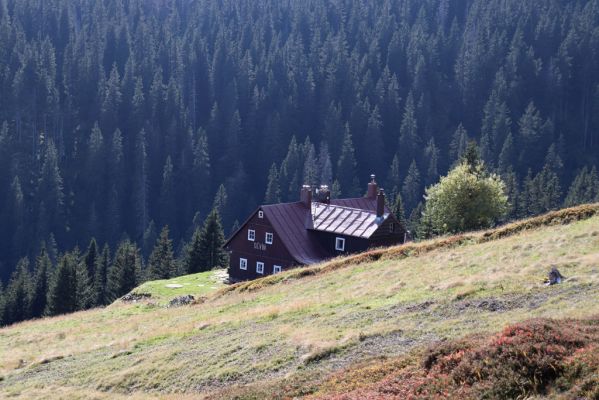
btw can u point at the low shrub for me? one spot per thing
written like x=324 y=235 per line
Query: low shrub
x=536 y=357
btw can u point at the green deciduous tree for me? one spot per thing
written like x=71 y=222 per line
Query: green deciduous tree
x=465 y=199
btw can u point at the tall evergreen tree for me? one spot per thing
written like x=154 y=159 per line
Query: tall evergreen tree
x=63 y=289
x=408 y=133
x=399 y=211
x=411 y=189
x=41 y=282
x=273 y=190
x=584 y=188
x=101 y=277
x=458 y=145
x=193 y=260
x=161 y=264
x=211 y=243
x=125 y=272
x=346 y=167
x=17 y=300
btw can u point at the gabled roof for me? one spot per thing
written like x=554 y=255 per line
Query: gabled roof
x=295 y=223
x=289 y=221
x=342 y=220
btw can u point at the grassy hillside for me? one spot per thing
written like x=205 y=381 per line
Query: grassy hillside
x=198 y=285
x=290 y=335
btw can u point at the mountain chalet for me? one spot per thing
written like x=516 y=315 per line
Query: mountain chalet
x=277 y=237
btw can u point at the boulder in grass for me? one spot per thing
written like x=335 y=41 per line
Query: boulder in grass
x=181 y=301
x=554 y=277
x=135 y=297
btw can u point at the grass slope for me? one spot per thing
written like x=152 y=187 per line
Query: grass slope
x=198 y=285
x=287 y=335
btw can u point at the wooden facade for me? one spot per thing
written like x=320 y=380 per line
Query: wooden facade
x=281 y=236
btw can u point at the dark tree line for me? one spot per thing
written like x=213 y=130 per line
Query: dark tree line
x=118 y=117
x=72 y=281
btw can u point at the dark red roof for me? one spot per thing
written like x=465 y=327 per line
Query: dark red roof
x=294 y=224
x=289 y=221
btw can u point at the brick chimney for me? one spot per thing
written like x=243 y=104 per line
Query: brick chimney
x=372 y=188
x=380 y=203
x=306 y=195
x=324 y=194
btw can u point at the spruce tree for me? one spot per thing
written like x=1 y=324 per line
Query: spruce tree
x=63 y=289
x=83 y=284
x=273 y=189
x=50 y=192
x=124 y=274
x=408 y=132
x=91 y=258
x=149 y=239
x=167 y=200
x=161 y=264
x=41 y=282
x=411 y=189
x=290 y=175
x=431 y=154
x=221 y=200
x=310 y=171
x=394 y=178
x=17 y=298
x=101 y=277
x=346 y=167
x=325 y=165
x=193 y=260
x=211 y=243
x=458 y=145
x=399 y=211
x=584 y=188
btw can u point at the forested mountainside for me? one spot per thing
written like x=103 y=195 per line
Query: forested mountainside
x=121 y=116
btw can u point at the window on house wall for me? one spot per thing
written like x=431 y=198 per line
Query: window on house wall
x=251 y=234
x=276 y=269
x=243 y=264
x=392 y=228
x=340 y=244
x=268 y=238
x=259 y=267
x=260 y=214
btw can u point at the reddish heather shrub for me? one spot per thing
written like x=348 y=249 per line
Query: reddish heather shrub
x=536 y=357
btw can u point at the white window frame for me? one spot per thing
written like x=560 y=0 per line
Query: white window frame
x=260 y=214
x=251 y=235
x=340 y=244
x=266 y=238
x=260 y=267
x=277 y=269
x=243 y=264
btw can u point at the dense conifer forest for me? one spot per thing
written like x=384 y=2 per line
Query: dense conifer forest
x=121 y=117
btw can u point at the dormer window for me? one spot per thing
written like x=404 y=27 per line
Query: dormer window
x=340 y=244
x=251 y=235
x=268 y=238
x=260 y=214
